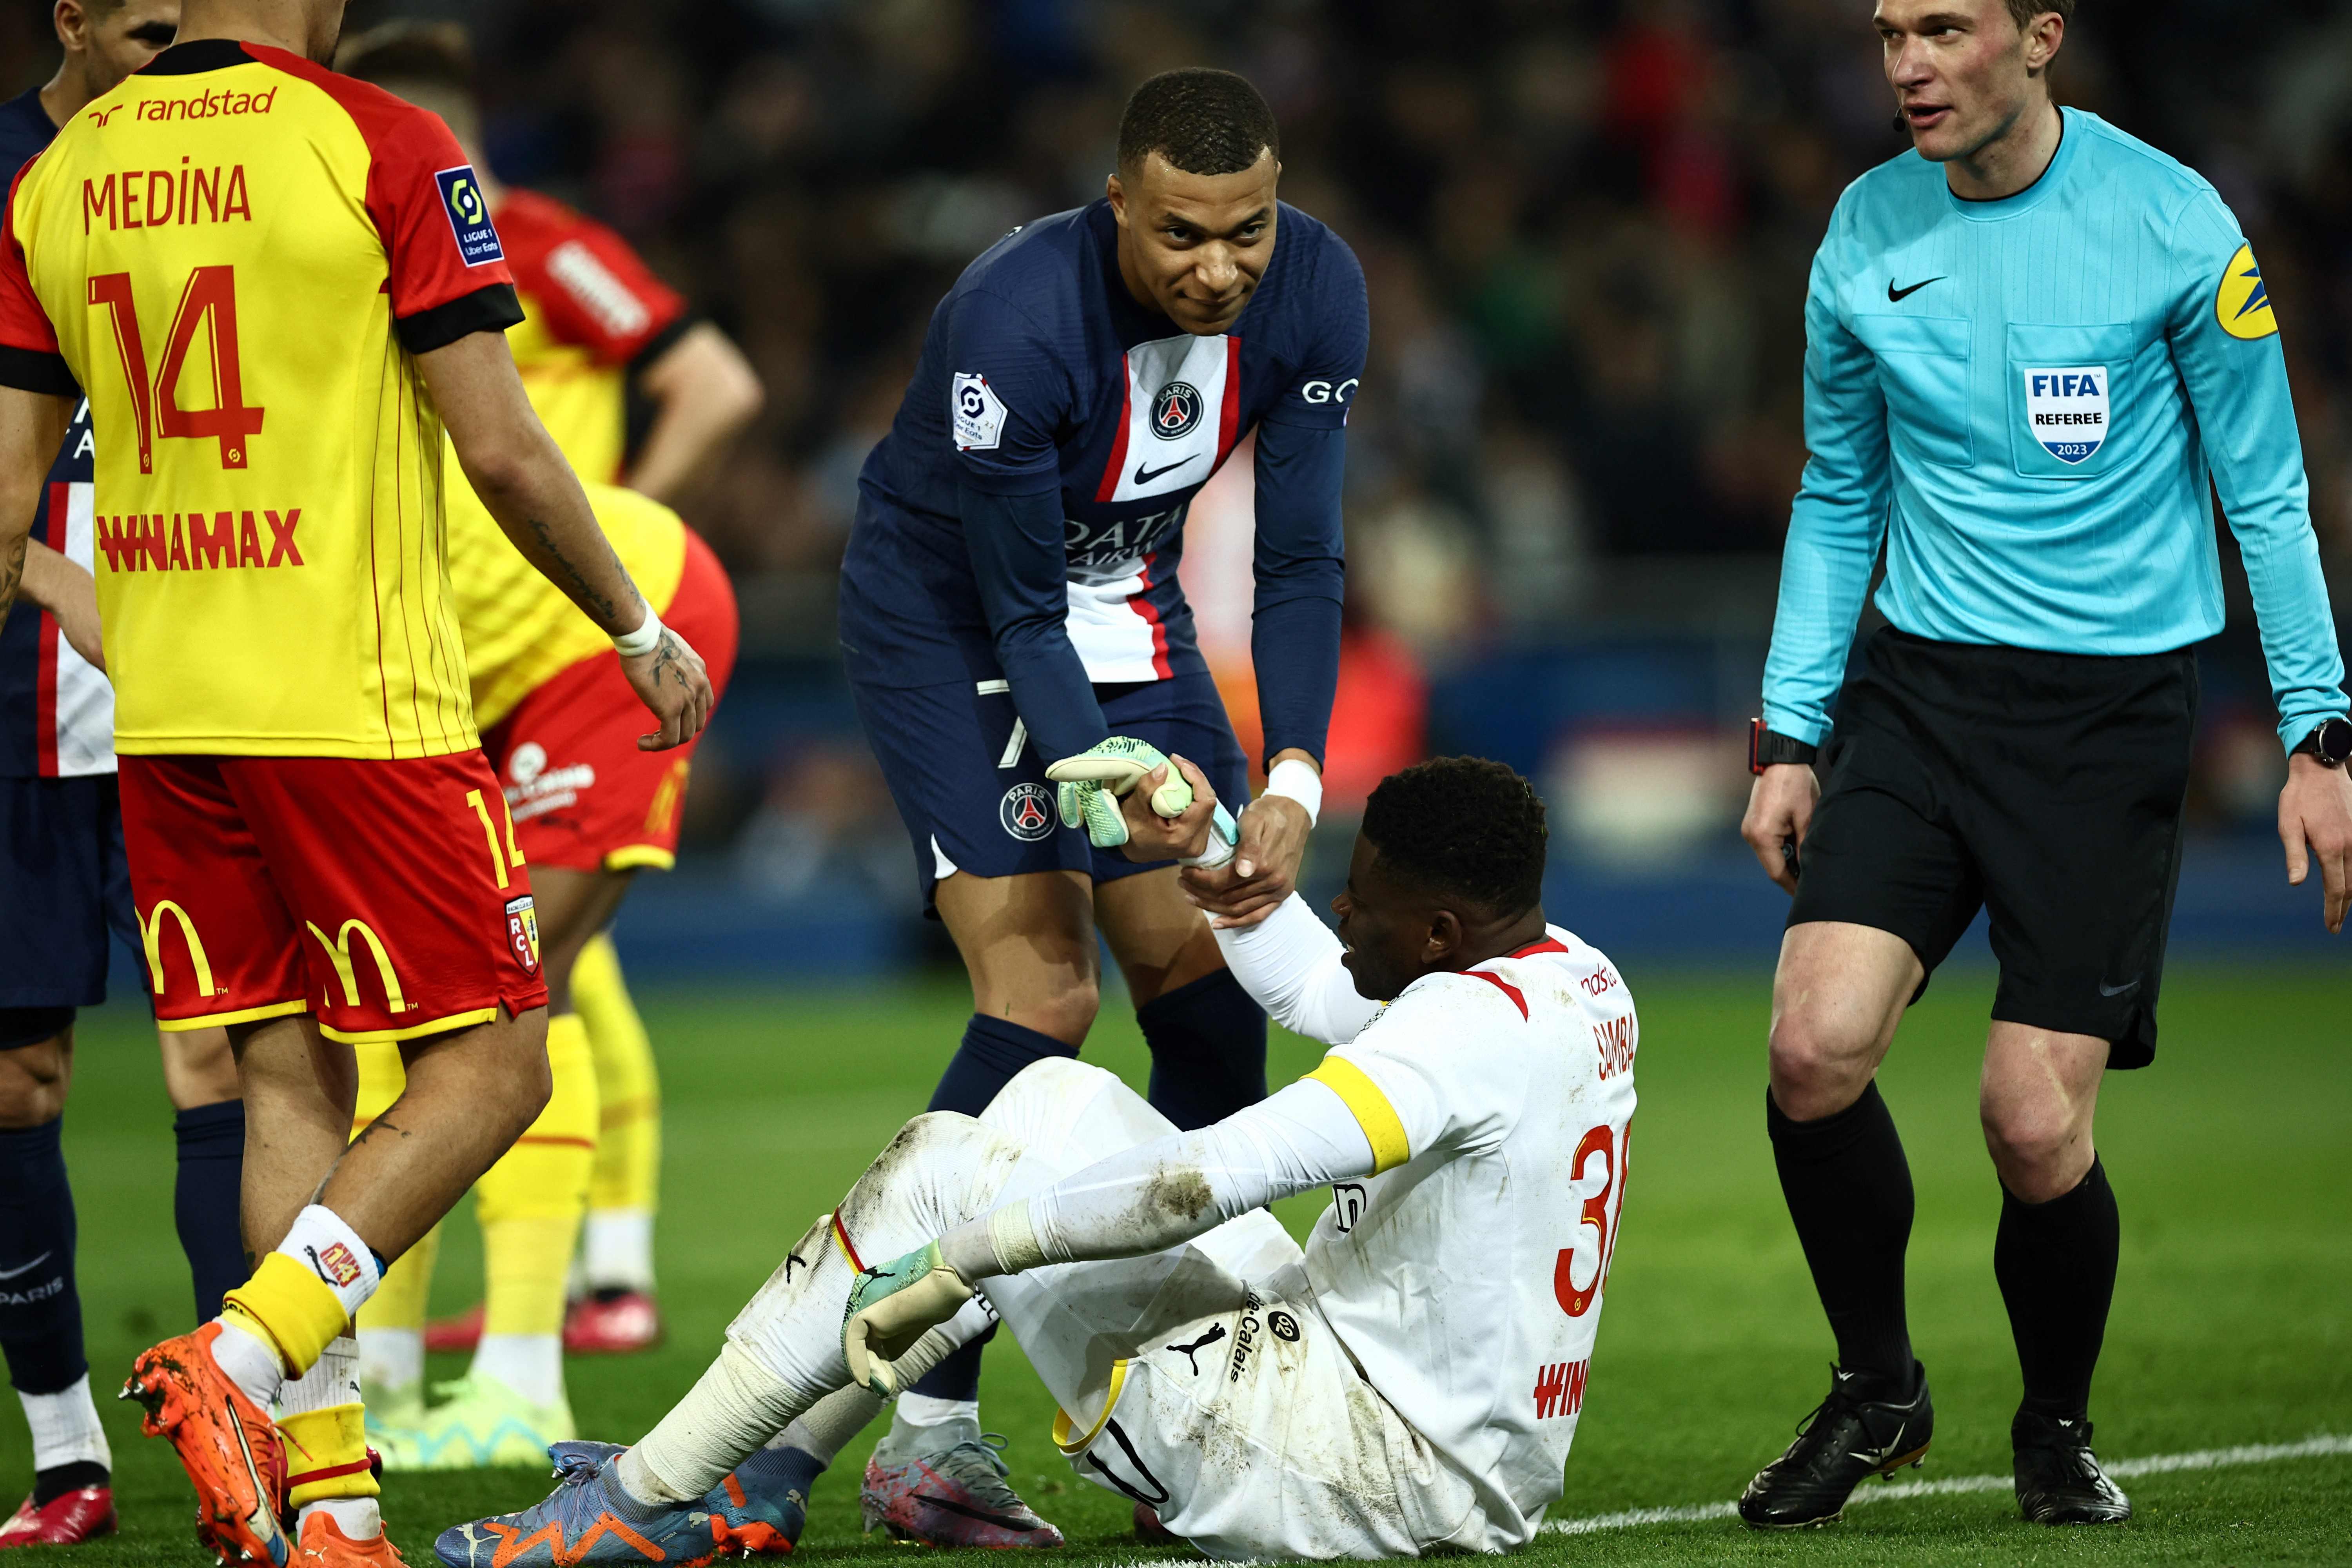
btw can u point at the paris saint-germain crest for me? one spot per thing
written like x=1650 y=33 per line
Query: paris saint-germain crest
x=1176 y=411
x=1027 y=812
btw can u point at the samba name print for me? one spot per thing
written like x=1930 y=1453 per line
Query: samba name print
x=151 y=198
x=150 y=541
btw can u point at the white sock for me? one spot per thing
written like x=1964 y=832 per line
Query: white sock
x=322 y=1243
x=920 y=1410
x=333 y=1379
x=391 y=1361
x=616 y=1250
x=826 y=1427
x=249 y=1361
x=65 y=1428
x=358 y=1517
x=729 y=1415
x=530 y=1364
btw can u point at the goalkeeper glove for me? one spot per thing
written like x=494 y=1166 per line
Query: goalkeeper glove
x=892 y=1307
x=1088 y=788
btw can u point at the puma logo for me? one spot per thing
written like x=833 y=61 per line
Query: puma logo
x=1192 y=1352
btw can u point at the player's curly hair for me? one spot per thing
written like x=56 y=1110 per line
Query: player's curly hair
x=1203 y=121
x=1463 y=826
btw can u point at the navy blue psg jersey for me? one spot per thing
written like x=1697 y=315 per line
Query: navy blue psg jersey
x=56 y=713
x=1041 y=371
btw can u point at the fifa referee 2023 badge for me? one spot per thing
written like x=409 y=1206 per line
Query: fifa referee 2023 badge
x=2034 y=344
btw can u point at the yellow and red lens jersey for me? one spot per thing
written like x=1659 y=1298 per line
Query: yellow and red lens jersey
x=592 y=310
x=238 y=254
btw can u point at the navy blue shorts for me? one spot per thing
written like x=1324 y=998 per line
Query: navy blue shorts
x=68 y=886
x=972 y=790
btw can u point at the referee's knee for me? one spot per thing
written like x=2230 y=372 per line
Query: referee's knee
x=2039 y=1149
x=1817 y=1070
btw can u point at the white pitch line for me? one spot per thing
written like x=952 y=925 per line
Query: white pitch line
x=2154 y=1465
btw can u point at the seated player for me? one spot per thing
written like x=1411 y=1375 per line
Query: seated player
x=590 y=809
x=1407 y=1382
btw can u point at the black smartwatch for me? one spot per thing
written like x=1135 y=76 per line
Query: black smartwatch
x=2330 y=742
x=1767 y=748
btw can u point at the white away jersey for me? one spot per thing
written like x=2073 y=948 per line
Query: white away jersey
x=1465 y=1274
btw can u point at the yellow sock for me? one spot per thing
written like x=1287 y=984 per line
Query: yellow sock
x=531 y=1201
x=326 y=1455
x=399 y=1302
x=286 y=1305
x=628 y=1087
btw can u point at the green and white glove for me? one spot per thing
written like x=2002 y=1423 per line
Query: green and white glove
x=1088 y=788
x=892 y=1307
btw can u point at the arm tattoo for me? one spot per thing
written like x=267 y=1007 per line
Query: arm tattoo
x=582 y=591
x=667 y=664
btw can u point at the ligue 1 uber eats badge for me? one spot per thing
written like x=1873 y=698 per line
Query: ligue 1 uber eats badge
x=2067 y=408
x=523 y=932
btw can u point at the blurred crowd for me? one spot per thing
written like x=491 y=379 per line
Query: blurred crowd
x=1586 y=228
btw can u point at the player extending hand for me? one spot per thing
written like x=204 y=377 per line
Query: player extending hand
x=1010 y=598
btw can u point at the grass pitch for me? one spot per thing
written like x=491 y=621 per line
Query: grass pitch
x=2232 y=1324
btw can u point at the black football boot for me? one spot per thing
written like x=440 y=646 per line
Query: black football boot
x=1847 y=1439
x=2058 y=1478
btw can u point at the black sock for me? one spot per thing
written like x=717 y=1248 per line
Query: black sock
x=992 y=1051
x=58 y=1479
x=205 y=1201
x=40 y=1310
x=2056 y=1265
x=1208 y=1050
x=1849 y=1190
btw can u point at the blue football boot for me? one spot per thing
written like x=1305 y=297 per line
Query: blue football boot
x=587 y=1522
x=762 y=1505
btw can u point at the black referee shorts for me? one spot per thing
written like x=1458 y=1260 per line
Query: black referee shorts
x=2044 y=787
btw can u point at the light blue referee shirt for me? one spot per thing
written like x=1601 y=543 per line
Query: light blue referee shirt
x=2025 y=399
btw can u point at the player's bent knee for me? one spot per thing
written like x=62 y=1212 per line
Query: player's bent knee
x=32 y=1085
x=1045 y=1092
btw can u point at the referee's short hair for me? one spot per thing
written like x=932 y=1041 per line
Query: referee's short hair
x=1463 y=825
x=2024 y=11
x=1203 y=121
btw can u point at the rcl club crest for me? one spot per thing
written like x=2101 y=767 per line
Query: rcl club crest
x=523 y=932
x=1176 y=411
x=2066 y=408
x=1027 y=812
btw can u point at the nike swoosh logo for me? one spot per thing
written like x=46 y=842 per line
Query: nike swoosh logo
x=12 y=1273
x=1895 y=295
x=1144 y=476
x=2124 y=990
x=966 y=1510
x=263 y=1518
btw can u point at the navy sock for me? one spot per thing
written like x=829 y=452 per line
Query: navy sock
x=1208 y=1050
x=205 y=1200
x=40 y=1310
x=992 y=1051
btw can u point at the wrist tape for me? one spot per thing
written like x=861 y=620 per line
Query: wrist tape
x=643 y=640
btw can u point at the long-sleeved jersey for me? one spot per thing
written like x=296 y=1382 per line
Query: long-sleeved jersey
x=1024 y=516
x=2027 y=400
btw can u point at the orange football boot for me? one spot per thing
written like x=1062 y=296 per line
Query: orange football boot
x=226 y=1443
x=324 y=1545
